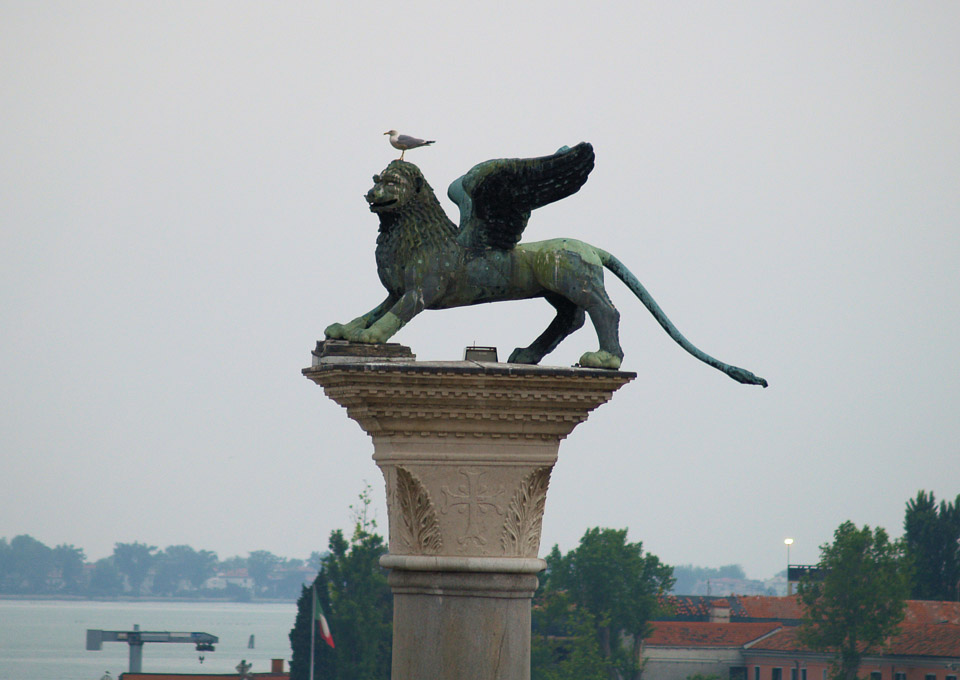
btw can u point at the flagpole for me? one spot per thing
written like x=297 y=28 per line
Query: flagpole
x=313 y=623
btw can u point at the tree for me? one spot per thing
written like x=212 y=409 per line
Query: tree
x=358 y=605
x=260 y=565
x=6 y=561
x=201 y=566
x=619 y=586
x=932 y=542
x=69 y=561
x=232 y=563
x=315 y=561
x=180 y=565
x=106 y=578
x=859 y=598
x=29 y=564
x=134 y=560
x=564 y=643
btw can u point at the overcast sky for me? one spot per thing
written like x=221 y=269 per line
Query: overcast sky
x=182 y=215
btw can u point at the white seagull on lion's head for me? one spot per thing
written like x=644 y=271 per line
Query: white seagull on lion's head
x=405 y=142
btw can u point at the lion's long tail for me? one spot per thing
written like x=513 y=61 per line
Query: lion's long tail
x=617 y=267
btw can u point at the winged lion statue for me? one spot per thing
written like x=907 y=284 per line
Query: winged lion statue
x=425 y=261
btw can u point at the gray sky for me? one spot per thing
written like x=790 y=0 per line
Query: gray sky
x=182 y=215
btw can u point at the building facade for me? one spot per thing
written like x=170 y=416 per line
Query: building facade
x=755 y=638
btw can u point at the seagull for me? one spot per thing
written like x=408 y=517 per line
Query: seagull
x=404 y=142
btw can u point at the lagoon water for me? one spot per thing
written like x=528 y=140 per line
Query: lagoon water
x=46 y=639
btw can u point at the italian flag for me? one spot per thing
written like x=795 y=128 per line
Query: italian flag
x=321 y=619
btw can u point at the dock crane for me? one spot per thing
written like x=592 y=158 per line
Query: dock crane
x=136 y=639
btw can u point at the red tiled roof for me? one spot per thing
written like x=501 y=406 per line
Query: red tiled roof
x=921 y=611
x=700 y=634
x=686 y=605
x=924 y=639
x=783 y=641
x=767 y=607
x=780 y=608
x=931 y=639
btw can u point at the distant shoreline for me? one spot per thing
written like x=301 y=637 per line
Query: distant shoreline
x=150 y=598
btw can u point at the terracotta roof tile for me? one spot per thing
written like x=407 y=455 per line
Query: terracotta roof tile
x=766 y=607
x=921 y=611
x=783 y=641
x=930 y=639
x=925 y=639
x=700 y=634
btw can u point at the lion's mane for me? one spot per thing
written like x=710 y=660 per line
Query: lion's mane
x=418 y=224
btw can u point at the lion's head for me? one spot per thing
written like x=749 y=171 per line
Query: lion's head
x=401 y=195
x=395 y=187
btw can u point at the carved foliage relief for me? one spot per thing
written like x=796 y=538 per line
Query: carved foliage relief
x=419 y=529
x=521 y=529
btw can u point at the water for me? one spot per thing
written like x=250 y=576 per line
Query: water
x=46 y=639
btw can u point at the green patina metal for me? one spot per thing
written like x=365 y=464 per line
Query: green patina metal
x=425 y=261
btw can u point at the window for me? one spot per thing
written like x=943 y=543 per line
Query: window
x=875 y=675
x=899 y=676
x=951 y=677
x=803 y=674
x=793 y=673
x=930 y=676
x=756 y=673
x=776 y=674
x=825 y=674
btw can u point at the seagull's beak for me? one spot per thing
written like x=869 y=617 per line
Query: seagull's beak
x=387 y=132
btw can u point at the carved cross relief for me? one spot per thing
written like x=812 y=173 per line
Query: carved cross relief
x=474 y=499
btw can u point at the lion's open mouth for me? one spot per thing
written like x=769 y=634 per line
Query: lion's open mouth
x=382 y=204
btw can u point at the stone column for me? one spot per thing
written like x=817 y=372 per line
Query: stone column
x=466 y=450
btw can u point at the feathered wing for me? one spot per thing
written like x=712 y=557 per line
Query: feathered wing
x=495 y=198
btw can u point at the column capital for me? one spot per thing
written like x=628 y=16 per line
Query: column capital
x=466 y=399
x=466 y=448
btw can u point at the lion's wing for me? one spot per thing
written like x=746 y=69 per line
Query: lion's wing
x=495 y=198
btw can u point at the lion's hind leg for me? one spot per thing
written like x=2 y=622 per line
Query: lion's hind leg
x=606 y=321
x=574 y=270
x=569 y=318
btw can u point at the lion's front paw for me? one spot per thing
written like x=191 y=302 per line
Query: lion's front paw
x=601 y=359
x=335 y=331
x=370 y=336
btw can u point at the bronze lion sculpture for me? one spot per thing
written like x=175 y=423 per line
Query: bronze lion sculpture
x=425 y=261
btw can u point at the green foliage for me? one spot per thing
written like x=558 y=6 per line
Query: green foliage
x=134 y=560
x=106 y=578
x=179 y=565
x=358 y=605
x=618 y=586
x=27 y=564
x=564 y=643
x=259 y=565
x=69 y=561
x=860 y=599
x=932 y=542
x=361 y=513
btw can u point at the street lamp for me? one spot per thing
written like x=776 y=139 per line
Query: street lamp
x=788 y=542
